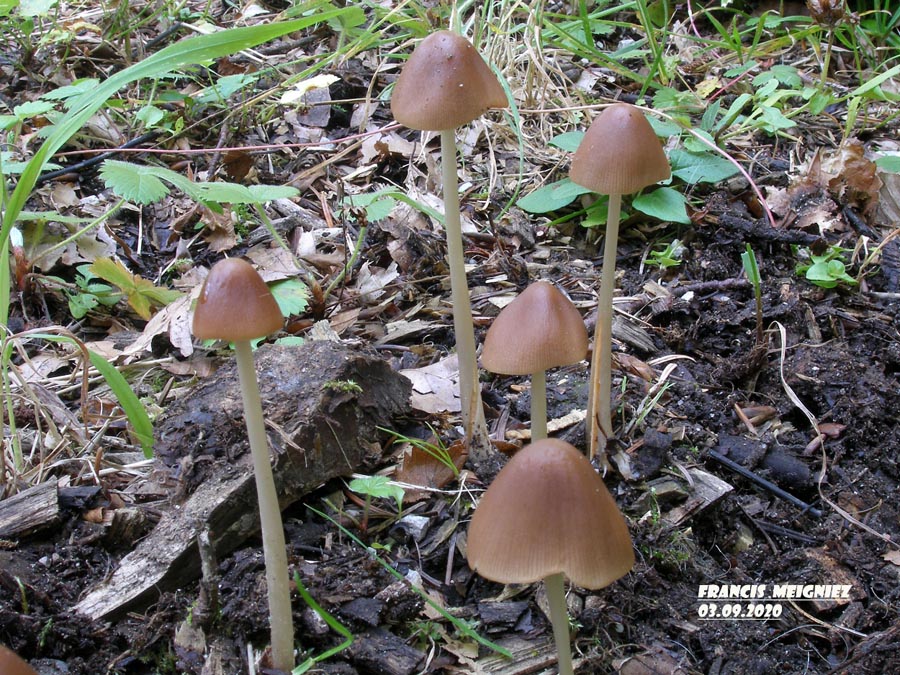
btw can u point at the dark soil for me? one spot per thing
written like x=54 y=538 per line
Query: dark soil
x=729 y=392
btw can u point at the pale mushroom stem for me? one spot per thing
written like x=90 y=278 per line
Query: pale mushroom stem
x=538 y=405
x=599 y=418
x=559 y=617
x=274 y=551
x=469 y=391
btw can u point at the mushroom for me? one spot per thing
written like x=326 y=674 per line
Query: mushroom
x=539 y=330
x=444 y=84
x=620 y=154
x=547 y=515
x=11 y=664
x=236 y=305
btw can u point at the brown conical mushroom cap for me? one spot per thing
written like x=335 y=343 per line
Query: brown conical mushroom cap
x=619 y=154
x=539 y=330
x=547 y=512
x=235 y=304
x=11 y=664
x=444 y=84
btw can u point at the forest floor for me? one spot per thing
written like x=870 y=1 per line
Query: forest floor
x=756 y=443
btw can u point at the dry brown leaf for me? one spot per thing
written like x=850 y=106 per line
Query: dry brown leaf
x=429 y=469
x=218 y=229
x=435 y=388
x=892 y=557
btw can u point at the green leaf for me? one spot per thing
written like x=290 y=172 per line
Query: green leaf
x=82 y=303
x=141 y=294
x=144 y=184
x=30 y=8
x=131 y=404
x=774 y=120
x=663 y=128
x=292 y=296
x=71 y=90
x=260 y=194
x=663 y=203
x=32 y=109
x=889 y=163
x=552 y=197
x=377 y=487
x=149 y=115
x=568 y=141
x=225 y=86
x=700 y=167
x=133 y=182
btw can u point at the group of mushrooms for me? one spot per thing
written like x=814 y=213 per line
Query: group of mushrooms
x=547 y=514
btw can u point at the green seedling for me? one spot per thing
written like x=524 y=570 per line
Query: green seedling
x=375 y=487
x=670 y=256
x=826 y=270
x=343 y=386
x=751 y=269
x=90 y=293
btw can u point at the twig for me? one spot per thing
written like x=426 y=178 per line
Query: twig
x=762 y=482
x=93 y=161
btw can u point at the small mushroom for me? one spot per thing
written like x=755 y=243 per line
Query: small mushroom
x=236 y=305
x=620 y=154
x=547 y=515
x=445 y=83
x=539 y=330
x=11 y=664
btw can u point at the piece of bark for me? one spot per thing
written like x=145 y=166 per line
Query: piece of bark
x=29 y=511
x=319 y=428
x=379 y=651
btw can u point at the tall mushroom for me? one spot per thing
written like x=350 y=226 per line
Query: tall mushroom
x=620 y=154
x=547 y=515
x=539 y=330
x=445 y=83
x=236 y=305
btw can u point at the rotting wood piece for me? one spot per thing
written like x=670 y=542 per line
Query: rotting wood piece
x=29 y=511
x=318 y=430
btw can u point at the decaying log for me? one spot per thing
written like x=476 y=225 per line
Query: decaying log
x=29 y=511
x=320 y=427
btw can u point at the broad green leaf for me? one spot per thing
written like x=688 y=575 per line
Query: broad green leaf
x=700 y=167
x=774 y=120
x=552 y=197
x=292 y=296
x=32 y=8
x=889 y=163
x=141 y=294
x=149 y=115
x=133 y=182
x=663 y=203
x=225 y=87
x=32 y=109
x=260 y=194
x=377 y=487
x=71 y=90
x=663 y=128
x=568 y=141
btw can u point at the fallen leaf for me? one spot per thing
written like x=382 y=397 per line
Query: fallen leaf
x=892 y=557
x=435 y=388
x=430 y=465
